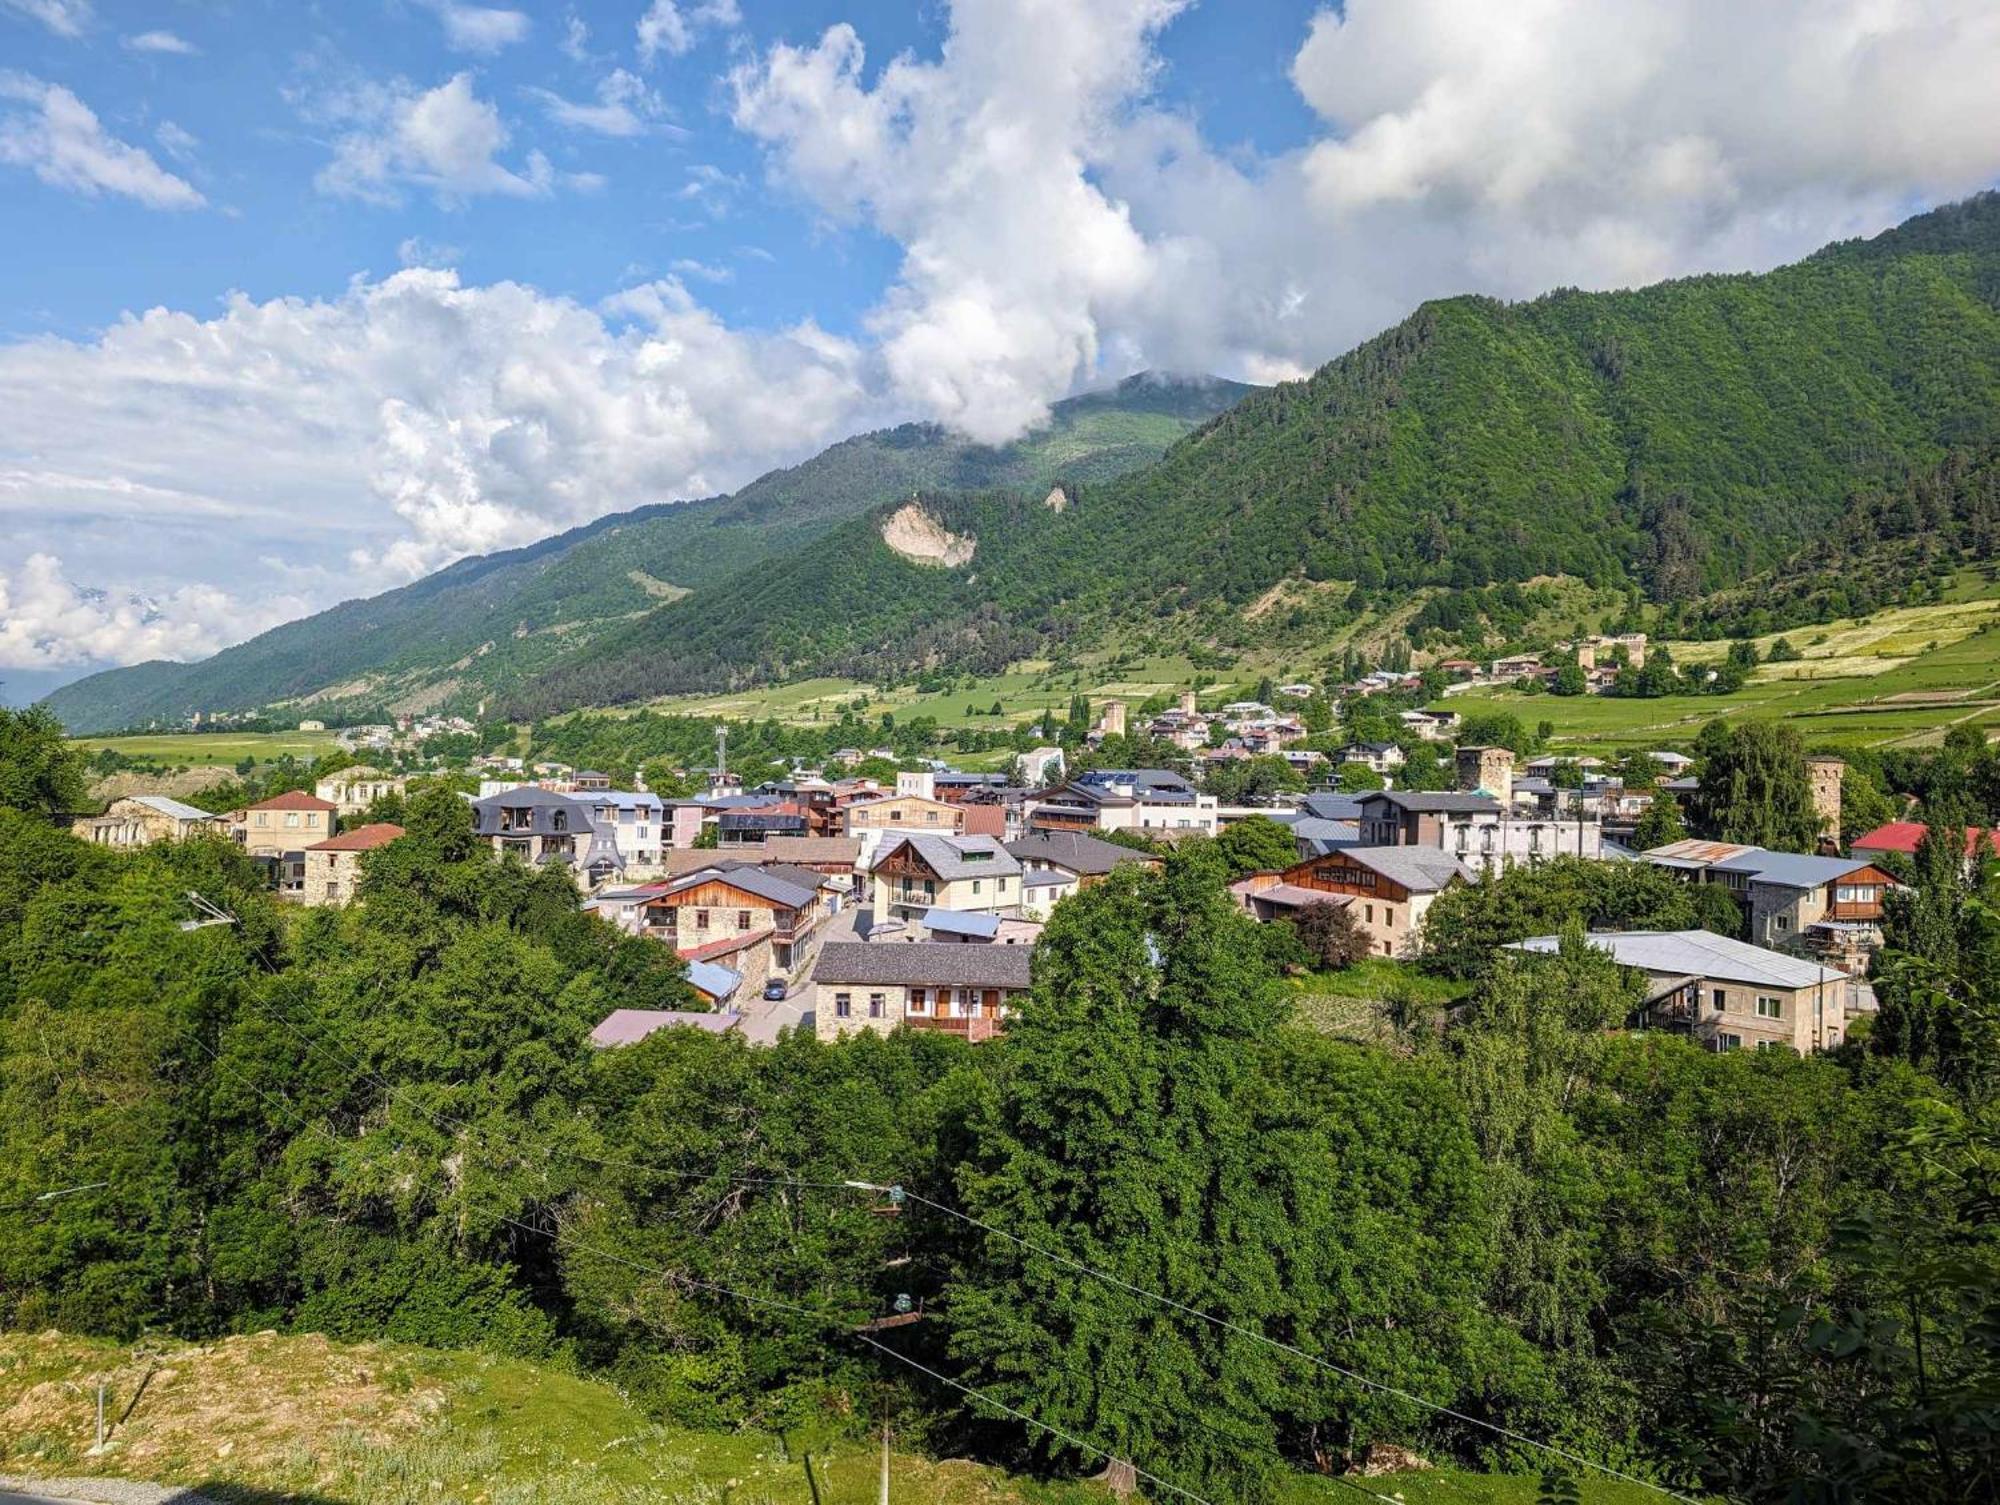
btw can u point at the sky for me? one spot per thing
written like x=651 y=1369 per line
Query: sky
x=301 y=301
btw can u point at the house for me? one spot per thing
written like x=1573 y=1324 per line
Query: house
x=753 y=825
x=1044 y=888
x=1674 y=763
x=634 y=820
x=1625 y=649
x=1830 y=905
x=353 y=790
x=1725 y=993
x=1126 y=799
x=1041 y=765
x=761 y=921
x=1481 y=831
x=1518 y=666
x=139 y=820
x=1387 y=890
x=288 y=823
x=715 y=982
x=1083 y=857
x=1458 y=668
x=1901 y=838
x=916 y=873
x=630 y=1026
x=902 y=812
x=968 y=990
x=834 y=857
x=1432 y=726
x=539 y=826
x=1383 y=757
x=333 y=867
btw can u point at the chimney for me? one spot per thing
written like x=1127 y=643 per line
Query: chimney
x=1826 y=773
x=1490 y=769
x=1114 y=718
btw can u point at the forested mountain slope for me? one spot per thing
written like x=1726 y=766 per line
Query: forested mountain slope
x=1685 y=435
x=483 y=624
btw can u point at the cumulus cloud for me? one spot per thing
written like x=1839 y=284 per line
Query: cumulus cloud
x=673 y=29
x=161 y=41
x=625 y=106
x=1056 y=221
x=66 y=18
x=445 y=140
x=48 y=621
x=59 y=138
x=378 y=435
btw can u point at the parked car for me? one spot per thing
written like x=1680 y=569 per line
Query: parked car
x=775 y=990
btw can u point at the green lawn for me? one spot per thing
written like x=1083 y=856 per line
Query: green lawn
x=227 y=748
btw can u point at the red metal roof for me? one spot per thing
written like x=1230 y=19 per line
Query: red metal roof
x=296 y=799
x=729 y=946
x=1906 y=835
x=360 y=839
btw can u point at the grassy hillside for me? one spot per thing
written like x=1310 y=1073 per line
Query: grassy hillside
x=484 y=624
x=256 y=1418
x=1682 y=436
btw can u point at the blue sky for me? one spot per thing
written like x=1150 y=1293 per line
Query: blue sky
x=302 y=301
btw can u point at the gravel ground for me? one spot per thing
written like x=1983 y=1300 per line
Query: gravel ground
x=102 y=1491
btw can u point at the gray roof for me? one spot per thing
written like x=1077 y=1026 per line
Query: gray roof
x=947 y=855
x=714 y=979
x=958 y=922
x=752 y=880
x=1789 y=869
x=629 y=1026
x=172 y=807
x=1697 y=953
x=543 y=804
x=1422 y=870
x=1075 y=851
x=1332 y=806
x=922 y=964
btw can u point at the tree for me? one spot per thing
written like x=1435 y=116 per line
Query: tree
x=1570 y=680
x=1258 y=844
x=1469 y=923
x=39 y=771
x=1330 y=935
x=1754 y=787
x=1252 y=779
x=1863 y=805
x=1359 y=778
x=1660 y=824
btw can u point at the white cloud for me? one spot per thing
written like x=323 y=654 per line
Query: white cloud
x=479 y=28
x=383 y=433
x=58 y=137
x=66 y=18
x=625 y=106
x=161 y=41
x=702 y=271
x=668 y=27
x=1057 y=223
x=445 y=140
x=176 y=141
x=576 y=38
x=47 y=621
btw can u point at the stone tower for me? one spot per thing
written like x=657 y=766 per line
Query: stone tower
x=1825 y=773
x=1113 y=723
x=1487 y=768
x=1187 y=703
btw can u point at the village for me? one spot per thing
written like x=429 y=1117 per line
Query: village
x=826 y=901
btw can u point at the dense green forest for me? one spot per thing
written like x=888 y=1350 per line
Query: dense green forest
x=484 y=624
x=1207 y=1239
x=1679 y=437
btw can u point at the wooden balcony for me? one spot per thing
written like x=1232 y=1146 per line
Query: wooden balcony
x=975 y=1028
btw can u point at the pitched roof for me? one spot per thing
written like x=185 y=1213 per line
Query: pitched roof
x=1288 y=895
x=1695 y=852
x=922 y=964
x=811 y=849
x=1435 y=804
x=360 y=839
x=629 y=1026
x=751 y=880
x=1422 y=870
x=950 y=856
x=1790 y=869
x=295 y=799
x=1082 y=854
x=1697 y=953
x=172 y=807
x=1332 y=806
x=714 y=979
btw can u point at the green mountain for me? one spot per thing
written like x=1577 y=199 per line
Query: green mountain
x=483 y=626
x=1681 y=437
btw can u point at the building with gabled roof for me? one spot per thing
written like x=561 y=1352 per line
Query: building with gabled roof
x=1387 y=890
x=764 y=923
x=139 y=820
x=970 y=874
x=967 y=990
x=286 y=823
x=332 y=870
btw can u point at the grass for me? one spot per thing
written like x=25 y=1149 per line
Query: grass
x=1350 y=1002
x=247 y=1418
x=220 y=748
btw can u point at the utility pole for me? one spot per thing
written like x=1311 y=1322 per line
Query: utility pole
x=882 y=1493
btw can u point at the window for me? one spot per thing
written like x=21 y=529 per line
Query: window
x=1718 y=999
x=1769 y=1007
x=701 y=919
x=1388 y=916
x=263 y=819
x=742 y=919
x=291 y=820
x=975 y=885
x=1784 y=922
x=332 y=891
x=1728 y=1042
x=931 y=817
x=644 y=832
x=1854 y=893
x=920 y=1000
x=1371 y=913
x=878 y=1005
x=843 y=1005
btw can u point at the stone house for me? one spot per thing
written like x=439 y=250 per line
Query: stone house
x=1387 y=891
x=972 y=874
x=139 y=820
x=333 y=867
x=353 y=790
x=967 y=990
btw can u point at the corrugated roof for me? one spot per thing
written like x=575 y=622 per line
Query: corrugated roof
x=172 y=807
x=1436 y=804
x=922 y=964
x=296 y=799
x=1790 y=869
x=714 y=979
x=1697 y=953
x=629 y=1026
x=752 y=880
x=1907 y=835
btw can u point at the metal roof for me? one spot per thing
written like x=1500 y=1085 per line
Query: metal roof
x=959 y=922
x=629 y=1026
x=752 y=880
x=1697 y=953
x=958 y=856
x=1420 y=869
x=172 y=807
x=1790 y=869
x=714 y=979
x=1074 y=850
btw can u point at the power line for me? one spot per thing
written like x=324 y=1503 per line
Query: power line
x=748 y=1298
x=1435 y=1407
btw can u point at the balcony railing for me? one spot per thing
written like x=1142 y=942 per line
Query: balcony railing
x=978 y=1027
